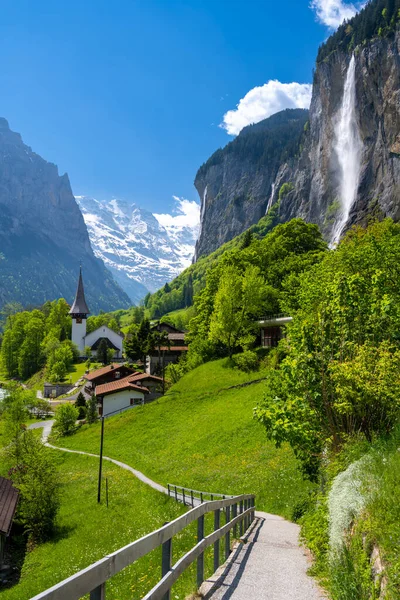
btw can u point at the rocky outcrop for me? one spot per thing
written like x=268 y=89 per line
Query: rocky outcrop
x=315 y=179
x=43 y=237
x=235 y=184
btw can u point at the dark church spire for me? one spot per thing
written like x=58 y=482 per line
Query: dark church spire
x=79 y=307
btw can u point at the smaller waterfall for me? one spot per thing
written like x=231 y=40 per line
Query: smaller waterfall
x=202 y=211
x=348 y=147
x=271 y=198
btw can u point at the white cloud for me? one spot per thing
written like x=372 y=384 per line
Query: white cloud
x=332 y=13
x=265 y=100
x=187 y=214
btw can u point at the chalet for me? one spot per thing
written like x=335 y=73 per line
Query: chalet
x=79 y=312
x=8 y=504
x=108 y=374
x=272 y=329
x=151 y=382
x=118 y=396
x=162 y=356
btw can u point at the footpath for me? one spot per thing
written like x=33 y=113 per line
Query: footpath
x=269 y=565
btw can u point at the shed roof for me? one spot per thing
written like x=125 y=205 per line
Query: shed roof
x=8 y=504
x=118 y=386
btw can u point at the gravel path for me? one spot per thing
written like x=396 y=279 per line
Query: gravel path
x=270 y=566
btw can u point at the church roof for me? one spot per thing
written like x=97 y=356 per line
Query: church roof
x=100 y=339
x=79 y=306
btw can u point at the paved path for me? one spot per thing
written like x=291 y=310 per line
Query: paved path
x=270 y=566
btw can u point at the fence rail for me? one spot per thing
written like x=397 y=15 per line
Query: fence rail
x=239 y=514
x=191 y=497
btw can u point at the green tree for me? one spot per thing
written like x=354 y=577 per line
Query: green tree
x=102 y=352
x=238 y=302
x=80 y=404
x=92 y=413
x=65 y=418
x=88 y=352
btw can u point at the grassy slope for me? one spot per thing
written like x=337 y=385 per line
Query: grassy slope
x=88 y=531
x=203 y=435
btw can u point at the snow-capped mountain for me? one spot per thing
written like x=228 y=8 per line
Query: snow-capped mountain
x=142 y=250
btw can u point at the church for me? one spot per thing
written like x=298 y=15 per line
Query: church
x=79 y=312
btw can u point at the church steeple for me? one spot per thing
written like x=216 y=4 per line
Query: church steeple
x=79 y=308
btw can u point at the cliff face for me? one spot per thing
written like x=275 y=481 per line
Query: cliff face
x=316 y=176
x=43 y=237
x=235 y=193
x=235 y=184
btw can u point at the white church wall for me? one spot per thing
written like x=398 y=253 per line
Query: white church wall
x=121 y=401
x=78 y=334
x=106 y=332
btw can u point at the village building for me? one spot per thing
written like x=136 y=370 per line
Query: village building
x=162 y=356
x=107 y=374
x=79 y=312
x=119 y=396
x=272 y=329
x=8 y=504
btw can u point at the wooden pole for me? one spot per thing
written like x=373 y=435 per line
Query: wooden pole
x=101 y=460
x=166 y=558
x=216 y=544
x=200 y=559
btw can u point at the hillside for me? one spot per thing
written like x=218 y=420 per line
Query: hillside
x=223 y=450
x=43 y=237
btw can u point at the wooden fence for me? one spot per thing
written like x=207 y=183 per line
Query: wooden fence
x=239 y=514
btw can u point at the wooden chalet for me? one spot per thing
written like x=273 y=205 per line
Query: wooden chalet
x=8 y=504
x=107 y=374
x=164 y=355
x=118 y=396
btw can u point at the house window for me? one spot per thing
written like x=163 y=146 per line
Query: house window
x=136 y=401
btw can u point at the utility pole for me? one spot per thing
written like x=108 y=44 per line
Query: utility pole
x=101 y=460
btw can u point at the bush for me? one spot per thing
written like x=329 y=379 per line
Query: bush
x=65 y=418
x=80 y=404
x=246 y=361
x=92 y=414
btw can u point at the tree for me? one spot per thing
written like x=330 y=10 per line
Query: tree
x=92 y=414
x=238 y=303
x=102 y=352
x=34 y=474
x=88 y=352
x=246 y=240
x=110 y=354
x=65 y=418
x=80 y=404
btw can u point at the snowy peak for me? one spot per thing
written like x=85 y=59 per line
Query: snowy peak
x=142 y=250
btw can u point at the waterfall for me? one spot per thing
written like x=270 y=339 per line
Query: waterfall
x=348 y=147
x=270 y=199
x=202 y=211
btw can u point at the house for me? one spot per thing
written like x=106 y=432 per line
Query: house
x=8 y=505
x=272 y=329
x=162 y=356
x=79 y=312
x=151 y=382
x=108 y=374
x=118 y=396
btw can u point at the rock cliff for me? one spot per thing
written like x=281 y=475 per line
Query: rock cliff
x=43 y=236
x=235 y=191
x=235 y=184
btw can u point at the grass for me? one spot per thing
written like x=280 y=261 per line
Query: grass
x=87 y=531
x=202 y=434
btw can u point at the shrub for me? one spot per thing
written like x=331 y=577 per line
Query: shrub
x=80 y=404
x=92 y=414
x=65 y=418
x=246 y=361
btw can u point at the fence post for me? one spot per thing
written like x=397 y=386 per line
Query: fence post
x=200 y=560
x=228 y=534
x=191 y=494
x=98 y=593
x=234 y=515
x=201 y=497
x=241 y=521
x=183 y=496
x=169 y=491
x=166 y=555
x=176 y=494
x=216 y=544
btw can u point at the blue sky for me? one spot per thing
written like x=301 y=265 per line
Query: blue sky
x=128 y=96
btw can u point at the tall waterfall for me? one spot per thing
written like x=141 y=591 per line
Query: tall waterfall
x=202 y=211
x=348 y=147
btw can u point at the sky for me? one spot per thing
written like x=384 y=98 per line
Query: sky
x=130 y=97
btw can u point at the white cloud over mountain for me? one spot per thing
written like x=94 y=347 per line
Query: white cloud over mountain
x=185 y=214
x=265 y=100
x=332 y=13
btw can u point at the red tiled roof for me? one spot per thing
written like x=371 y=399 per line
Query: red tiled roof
x=105 y=370
x=140 y=376
x=8 y=503
x=118 y=386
